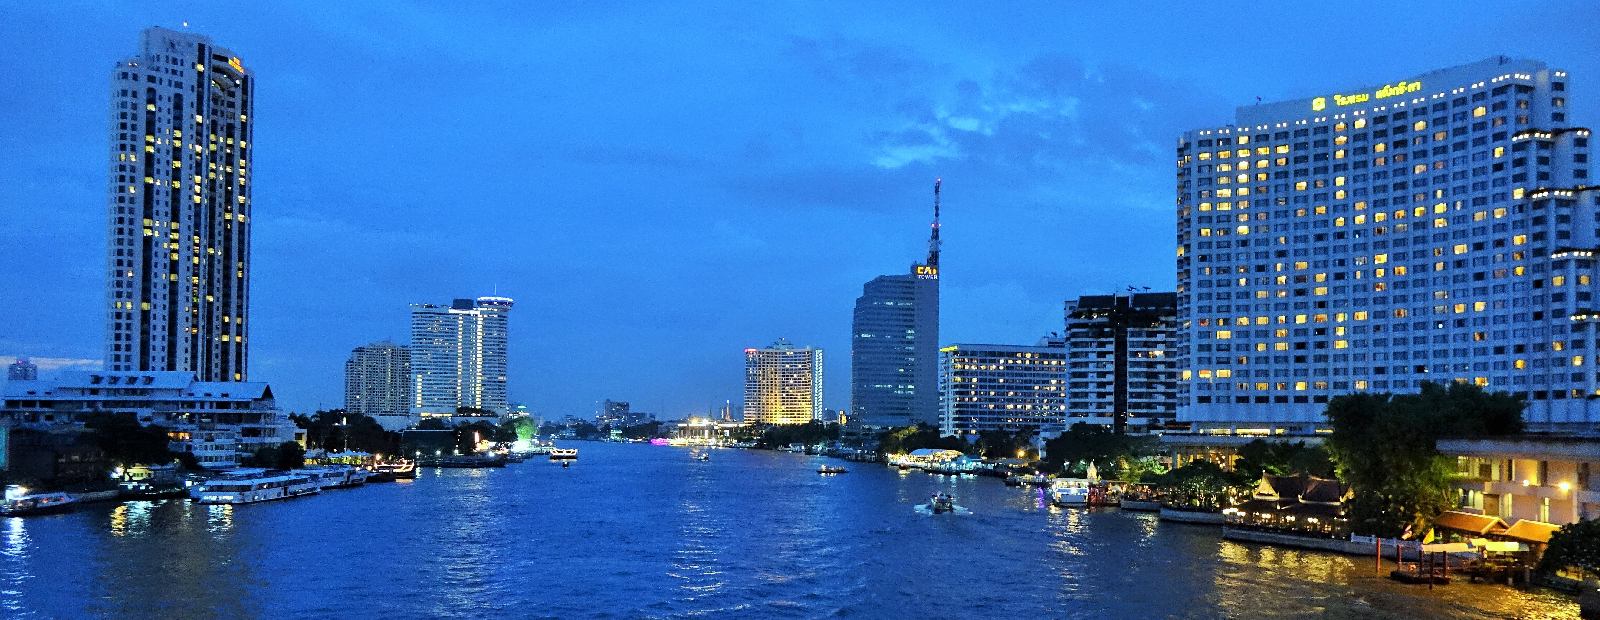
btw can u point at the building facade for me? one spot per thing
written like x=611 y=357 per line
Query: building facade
x=377 y=383
x=987 y=387
x=782 y=384
x=458 y=358
x=1122 y=362
x=219 y=422
x=894 y=344
x=179 y=213
x=22 y=370
x=1537 y=478
x=1439 y=228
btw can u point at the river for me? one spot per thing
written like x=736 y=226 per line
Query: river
x=639 y=531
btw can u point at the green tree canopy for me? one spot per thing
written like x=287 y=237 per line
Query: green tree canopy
x=923 y=435
x=1384 y=447
x=127 y=442
x=1110 y=452
x=1575 y=545
x=1281 y=458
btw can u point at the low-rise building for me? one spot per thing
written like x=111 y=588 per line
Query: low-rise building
x=1534 y=478
x=219 y=422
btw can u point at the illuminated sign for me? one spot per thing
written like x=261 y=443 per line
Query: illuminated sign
x=1398 y=88
x=234 y=62
x=927 y=273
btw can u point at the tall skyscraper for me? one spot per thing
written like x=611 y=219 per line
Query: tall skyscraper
x=178 y=216
x=1436 y=228
x=894 y=344
x=458 y=356
x=22 y=370
x=782 y=384
x=377 y=382
x=1123 y=365
x=989 y=387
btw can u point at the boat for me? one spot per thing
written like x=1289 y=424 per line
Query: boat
x=702 y=457
x=1038 y=480
x=20 y=503
x=249 y=486
x=563 y=454
x=832 y=469
x=337 y=476
x=470 y=461
x=941 y=503
x=397 y=470
x=1070 y=492
x=1013 y=481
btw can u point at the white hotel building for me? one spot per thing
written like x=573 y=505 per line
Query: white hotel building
x=1439 y=228
x=178 y=210
x=458 y=357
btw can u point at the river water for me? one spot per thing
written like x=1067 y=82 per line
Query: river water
x=639 y=531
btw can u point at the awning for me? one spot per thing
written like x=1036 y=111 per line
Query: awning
x=1531 y=531
x=1468 y=522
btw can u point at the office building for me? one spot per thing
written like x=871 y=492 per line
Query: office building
x=377 y=383
x=179 y=212
x=987 y=387
x=894 y=344
x=1122 y=365
x=782 y=384
x=219 y=422
x=22 y=370
x=1436 y=228
x=458 y=358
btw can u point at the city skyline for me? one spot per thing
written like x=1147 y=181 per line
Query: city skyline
x=971 y=116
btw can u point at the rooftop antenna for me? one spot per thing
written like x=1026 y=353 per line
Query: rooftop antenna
x=933 y=241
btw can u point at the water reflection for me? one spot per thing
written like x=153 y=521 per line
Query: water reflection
x=642 y=531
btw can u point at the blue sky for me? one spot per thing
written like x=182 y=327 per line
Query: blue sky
x=660 y=186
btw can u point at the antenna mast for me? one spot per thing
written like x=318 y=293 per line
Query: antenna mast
x=933 y=241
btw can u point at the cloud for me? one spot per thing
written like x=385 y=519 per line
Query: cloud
x=55 y=363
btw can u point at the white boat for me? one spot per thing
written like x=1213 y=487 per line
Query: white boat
x=19 y=503
x=1070 y=492
x=563 y=454
x=248 y=486
x=336 y=476
x=941 y=503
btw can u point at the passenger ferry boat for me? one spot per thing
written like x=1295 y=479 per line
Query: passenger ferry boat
x=389 y=472
x=563 y=454
x=1070 y=492
x=19 y=503
x=336 y=476
x=248 y=486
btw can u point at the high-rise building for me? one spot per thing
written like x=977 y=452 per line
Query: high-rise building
x=1436 y=228
x=894 y=344
x=179 y=212
x=613 y=413
x=1122 y=366
x=987 y=387
x=377 y=383
x=782 y=384
x=22 y=370
x=458 y=358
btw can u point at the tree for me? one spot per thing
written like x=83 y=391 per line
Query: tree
x=127 y=442
x=1000 y=444
x=287 y=455
x=1201 y=485
x=811 y=433
x=1384 y=447
x=1575 y=545
x=1281 y=458
x=904 y=440
x=1086 y=443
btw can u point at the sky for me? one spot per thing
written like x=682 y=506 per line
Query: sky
x=662 y=185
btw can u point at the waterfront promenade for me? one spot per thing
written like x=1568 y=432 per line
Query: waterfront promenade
x=638 y=531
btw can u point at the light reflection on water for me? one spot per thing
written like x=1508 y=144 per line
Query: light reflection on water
x=644 y=532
